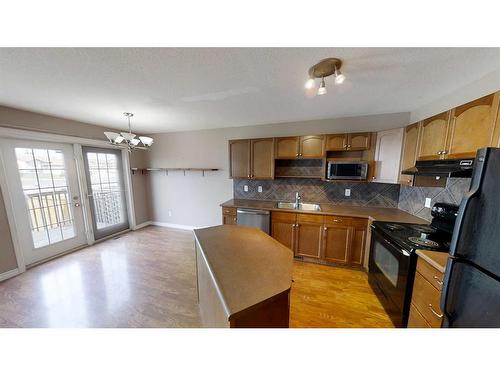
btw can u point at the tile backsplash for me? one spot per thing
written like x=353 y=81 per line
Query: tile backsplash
x=411 y=198
x=408 y=198
x=317 y=191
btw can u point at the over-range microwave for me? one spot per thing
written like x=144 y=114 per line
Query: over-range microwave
x=347 y=170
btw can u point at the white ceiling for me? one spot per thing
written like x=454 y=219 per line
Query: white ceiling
x=170 y=89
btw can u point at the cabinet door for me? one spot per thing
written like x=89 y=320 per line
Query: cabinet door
x=433 y=137
x=239 y=158
x=358 y=241
x=262 y=158
x=358 y=141
x=388 y=156
x=336 y=243
x=409 y=156
x=336 y=142
x=287 y=148
x=283 y=228
x=309 y=231
x=471 y=127
x=229 y=220
x=312 y=146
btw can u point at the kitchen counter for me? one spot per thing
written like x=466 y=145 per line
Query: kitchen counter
x=434 y=258
x=373 y=213
x=244 y=277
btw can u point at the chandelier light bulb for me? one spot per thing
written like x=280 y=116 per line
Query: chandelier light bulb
x=322 y=87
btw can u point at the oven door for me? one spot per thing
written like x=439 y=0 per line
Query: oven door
x=391 y=271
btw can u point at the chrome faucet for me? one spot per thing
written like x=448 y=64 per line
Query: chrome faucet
x=297 y=199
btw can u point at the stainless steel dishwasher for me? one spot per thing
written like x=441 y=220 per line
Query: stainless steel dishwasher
x=253 y=218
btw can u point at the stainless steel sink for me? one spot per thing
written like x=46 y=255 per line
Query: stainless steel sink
x=300 y=206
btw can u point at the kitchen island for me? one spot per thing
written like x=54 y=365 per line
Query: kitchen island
x=244 y=278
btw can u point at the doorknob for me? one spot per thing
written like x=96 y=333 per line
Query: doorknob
x=77 y=204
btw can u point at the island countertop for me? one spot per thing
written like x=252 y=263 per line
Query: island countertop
x=246 y=265
x=373 y=213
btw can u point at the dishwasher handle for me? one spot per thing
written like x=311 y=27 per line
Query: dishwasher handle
x=252 y=212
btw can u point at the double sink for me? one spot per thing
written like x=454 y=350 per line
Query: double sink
x=299 y=206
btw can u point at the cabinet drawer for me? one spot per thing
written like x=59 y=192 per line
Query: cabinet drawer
x=229 y=211
x=416 y=320
x=338 y=220
x=309 y=218
x=432 y=275
x=426 y=300
x=286 y=217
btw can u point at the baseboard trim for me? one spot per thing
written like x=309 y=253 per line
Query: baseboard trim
x=175 y=226
x=142 y=225
x=9 y=274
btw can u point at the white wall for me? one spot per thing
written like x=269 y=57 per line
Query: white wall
x=194 y=200
x=486 y=85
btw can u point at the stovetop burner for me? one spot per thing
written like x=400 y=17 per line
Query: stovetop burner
x=424 y=242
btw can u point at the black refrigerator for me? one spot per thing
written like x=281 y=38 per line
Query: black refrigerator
x=471 y=289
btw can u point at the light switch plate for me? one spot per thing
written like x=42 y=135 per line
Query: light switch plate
x=427 y=202
x=259 y=189
x=245 y=188
x=347 y=192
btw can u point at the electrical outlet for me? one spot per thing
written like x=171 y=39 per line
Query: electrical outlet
x=259 y=189
x=347 y=192
x=245 y=188
x=427 y=202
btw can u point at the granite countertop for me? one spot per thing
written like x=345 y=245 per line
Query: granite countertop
x=247 y=265
x=374 y=213
x=436 y=259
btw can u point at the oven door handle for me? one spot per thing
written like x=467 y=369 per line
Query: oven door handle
x=393 y=246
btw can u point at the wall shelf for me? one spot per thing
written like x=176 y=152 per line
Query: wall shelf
x=166 y=170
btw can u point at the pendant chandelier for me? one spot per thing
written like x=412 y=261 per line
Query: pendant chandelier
x=129 y=139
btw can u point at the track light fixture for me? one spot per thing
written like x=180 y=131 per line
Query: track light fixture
x=325 y=68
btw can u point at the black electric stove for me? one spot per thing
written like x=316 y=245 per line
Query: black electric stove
x=393 y=256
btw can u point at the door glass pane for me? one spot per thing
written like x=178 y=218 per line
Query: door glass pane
x=386 y=262
x=46 y=190
x=106 y=189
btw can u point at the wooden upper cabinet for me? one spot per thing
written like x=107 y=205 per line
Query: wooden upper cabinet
x=472 y=127
x=262 y=158
x=312 y=146
x=336 y=243
x=358 y=141
x=336 y=142
x=433 y=137
x=239 y=158
x=496 y=132
x=287 y=147
x=348 y=142
x=409 y=153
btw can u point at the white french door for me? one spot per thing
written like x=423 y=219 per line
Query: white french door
x=43 y=187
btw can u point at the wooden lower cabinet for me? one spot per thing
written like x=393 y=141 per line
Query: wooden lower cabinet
x=283 y=228
x=425 y=311
x=309 y=233
x=228 y=215
x=333 y=239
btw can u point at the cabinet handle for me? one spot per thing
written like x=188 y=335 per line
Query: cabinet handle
x=438 y=280
x=337 y=221
x=297 y=155
x=444 y=152
x=434 y=312
x=325 y=228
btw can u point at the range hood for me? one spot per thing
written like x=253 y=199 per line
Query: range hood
x=442 y=168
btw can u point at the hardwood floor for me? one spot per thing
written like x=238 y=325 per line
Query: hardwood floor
x=147 y=279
